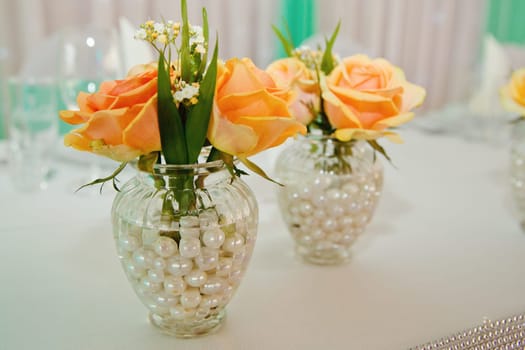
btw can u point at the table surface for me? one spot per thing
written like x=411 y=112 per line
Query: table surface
x=443 y=251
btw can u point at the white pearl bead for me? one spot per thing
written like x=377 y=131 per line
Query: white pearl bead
x=202 y=312
x=190 y=298
x=150 y=285
x=165 y=246
x=189 y=247
x=305 y=208
x=143 y=257
x=178 y=266
x=239 y=257
x=233 y=243
x=189 y=221
x=158 y=263
x=189 y=232
x=209 y=301
x=351 y=188
x=196 y=278
x=224 y=267
x=346 y=222
x=174 y=285
x=329 y=224
x=353 y=208
x=156 y=276
x=165 y=300
x=127 y=242
x=235 y=277
x=333 y=194
x=179 y=313
x=347 y=238
x=317 y=233
x=213 y=238
x=208 y=218
x=337 y=211
x=132 y=269
x=319 y=201
x=208 y=259
x=214 y=285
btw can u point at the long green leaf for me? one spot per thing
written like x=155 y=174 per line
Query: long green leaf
x=171 y=130
x=377 y=147
x=286 y=42
x=198 y=116
x=327 y=64
x=185 y=54
x=256 y=169
x=206 y=34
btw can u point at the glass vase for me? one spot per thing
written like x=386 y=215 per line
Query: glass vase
x=184 y=235
x=517 y=170
x=330 y=192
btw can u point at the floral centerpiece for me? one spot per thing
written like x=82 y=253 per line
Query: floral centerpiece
x=332 y=179
x=185 y=225
x=513 y=100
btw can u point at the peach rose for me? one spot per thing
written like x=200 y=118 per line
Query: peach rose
x=291 y=73
x=250 y=114
x=513 y=94
x=365 y=97
x=120 y=120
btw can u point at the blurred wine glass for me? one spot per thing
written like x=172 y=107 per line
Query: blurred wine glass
x=89 y=55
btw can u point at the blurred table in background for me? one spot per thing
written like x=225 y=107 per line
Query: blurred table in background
x=443 y=251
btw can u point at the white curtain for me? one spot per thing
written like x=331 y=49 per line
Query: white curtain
x=436 y=42
x=244 y=27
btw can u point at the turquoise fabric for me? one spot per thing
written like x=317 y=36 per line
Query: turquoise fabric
x=300 y=17
x=505 y=20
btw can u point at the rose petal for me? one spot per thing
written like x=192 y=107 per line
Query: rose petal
x=229 y=137
x=143 y=131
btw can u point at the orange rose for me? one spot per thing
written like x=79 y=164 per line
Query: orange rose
x=250 y=114
x=120 y=120
x=513 y=94
x=364 y=97
x=291 y=73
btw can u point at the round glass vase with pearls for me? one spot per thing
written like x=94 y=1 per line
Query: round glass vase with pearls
x=331 y=189
x=185 y=235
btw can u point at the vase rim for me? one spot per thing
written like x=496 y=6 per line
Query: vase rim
x=321 y=137
x=166 y=169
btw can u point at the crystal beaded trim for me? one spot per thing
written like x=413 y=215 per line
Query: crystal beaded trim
x=504 y=334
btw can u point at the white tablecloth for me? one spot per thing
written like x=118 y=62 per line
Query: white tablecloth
x=443 y=250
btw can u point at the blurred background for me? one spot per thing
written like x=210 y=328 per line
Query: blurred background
x=461 y=51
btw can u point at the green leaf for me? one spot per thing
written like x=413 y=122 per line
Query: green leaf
x=327 y=64
x=105 y=179
x=147 y=161
x=171 y=130
x=198 y=116
x=206 y=34
x=377 y=147
x=287 y=43
x=256 y=169
x=185 y=52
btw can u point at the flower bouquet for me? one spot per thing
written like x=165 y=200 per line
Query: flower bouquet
x=185 y=225
x=513 y=100
x=332 y=176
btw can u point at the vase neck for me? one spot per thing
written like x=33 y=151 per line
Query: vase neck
x=185 y=176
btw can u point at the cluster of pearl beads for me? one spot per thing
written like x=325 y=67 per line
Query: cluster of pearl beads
x=505 y=334
x=328 y=212
x=193 y=279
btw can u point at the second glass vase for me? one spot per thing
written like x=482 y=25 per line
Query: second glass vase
x=331 y=189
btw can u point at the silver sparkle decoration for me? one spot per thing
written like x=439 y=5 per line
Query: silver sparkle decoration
x=504 y=334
